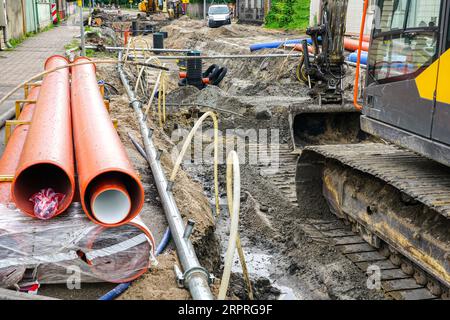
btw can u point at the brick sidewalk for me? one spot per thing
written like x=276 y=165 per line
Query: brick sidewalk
x=28 y=59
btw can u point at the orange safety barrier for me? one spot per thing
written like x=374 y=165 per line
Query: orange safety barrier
x=47 y=157
x=358 y=61
x=11 y=156
x=110 y=190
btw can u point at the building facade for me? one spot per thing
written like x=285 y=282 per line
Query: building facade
x=252 y=11
x=20 y=17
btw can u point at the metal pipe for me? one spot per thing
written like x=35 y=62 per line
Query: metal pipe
x=196 y=278
x=230 y=56
x=82 y=35
x=136 y=49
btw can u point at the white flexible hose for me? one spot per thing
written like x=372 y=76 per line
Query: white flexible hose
x=234 y=201
x=187 y=144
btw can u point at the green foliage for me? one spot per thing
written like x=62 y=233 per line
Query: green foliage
x=288 y=14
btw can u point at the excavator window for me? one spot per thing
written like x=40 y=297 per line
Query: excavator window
x=405 y=39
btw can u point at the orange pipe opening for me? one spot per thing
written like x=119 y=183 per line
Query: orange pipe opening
x=358 y=61
x=11 y=156
x=102 y=162
x=47 y=156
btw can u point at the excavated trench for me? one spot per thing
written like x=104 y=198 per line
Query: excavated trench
x=258 y=104
x=261 y=108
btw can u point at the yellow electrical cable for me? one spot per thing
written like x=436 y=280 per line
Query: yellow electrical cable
x=160 y=83
x=157 y=62
x=159 y=102
x=164 y=96
x=176 y=168
x=186 y=145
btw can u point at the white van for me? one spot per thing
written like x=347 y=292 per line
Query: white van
x=218 y=15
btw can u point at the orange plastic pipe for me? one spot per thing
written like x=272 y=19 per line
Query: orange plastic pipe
x=11 y=156
x=354 y=44
x=299 y=47
x=104 y=171
x=366 y=38
x=183 y=75
x=47 y=157
x=358 y=61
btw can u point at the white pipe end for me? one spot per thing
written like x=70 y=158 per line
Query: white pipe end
x=111 y=206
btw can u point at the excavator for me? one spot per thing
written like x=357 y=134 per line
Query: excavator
x=147 y=6
x=392 y=183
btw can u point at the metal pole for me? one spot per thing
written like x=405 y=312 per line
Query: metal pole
x=231 y=56
x=36 y=10
x=204 y=9
x=195 y=278
x=83 y=42
x=138 y=49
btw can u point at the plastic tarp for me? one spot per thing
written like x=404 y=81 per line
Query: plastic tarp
x=71 y=247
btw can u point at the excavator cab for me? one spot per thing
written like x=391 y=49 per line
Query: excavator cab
x=147 y=6
x=406 y=100
x=395 y=200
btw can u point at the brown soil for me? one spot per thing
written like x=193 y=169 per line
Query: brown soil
x=159 y=283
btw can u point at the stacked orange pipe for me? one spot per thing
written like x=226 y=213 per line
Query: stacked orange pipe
x=47 y=159
x=11 y=156
x=110 y=190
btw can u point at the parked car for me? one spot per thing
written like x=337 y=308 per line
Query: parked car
x=218 y=15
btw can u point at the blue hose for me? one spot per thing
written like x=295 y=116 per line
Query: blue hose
x=121 y=288
x=353 y=57
x=276 y=44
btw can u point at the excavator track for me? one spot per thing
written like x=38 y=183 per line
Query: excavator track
x=397 y=201
x=394 y=281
